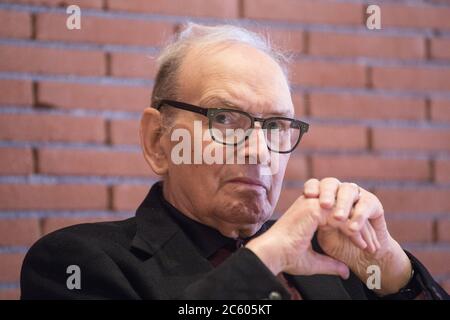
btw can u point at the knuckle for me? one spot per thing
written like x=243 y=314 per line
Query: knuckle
x=359 y=213
x=380 y=207
x=311 y=183
x=312 y=207
x=331 y=180
x=370 y=199
x=310 y=204
x=354 y=185
x=344 y=186
x=349 y=186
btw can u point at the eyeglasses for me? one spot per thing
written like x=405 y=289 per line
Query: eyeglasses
x=232 y=127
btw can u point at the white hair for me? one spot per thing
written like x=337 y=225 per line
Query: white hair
x=171 y=56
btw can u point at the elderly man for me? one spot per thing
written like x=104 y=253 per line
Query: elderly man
x=203 y=231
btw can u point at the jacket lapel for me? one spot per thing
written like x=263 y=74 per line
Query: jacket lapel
x=169 y=257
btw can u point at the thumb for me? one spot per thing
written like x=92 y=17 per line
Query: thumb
x=323 y=264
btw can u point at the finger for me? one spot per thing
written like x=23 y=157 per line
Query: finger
x=358 y=240
x=374 y=235
x=306 y=207
x=311 y=188
x=359 y=221
x=355 y=237
x=323 y=264
x=347 y=195
x=366 y=208
x=328 y=190
x=368 y=237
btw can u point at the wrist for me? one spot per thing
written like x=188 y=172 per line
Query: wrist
x=266 y=253
x=397 y=271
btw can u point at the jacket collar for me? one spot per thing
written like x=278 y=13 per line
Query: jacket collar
x=154 y=226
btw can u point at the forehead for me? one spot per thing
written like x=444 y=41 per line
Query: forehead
x=247 y=77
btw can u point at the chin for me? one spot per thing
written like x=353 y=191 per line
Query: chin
x=247 y=212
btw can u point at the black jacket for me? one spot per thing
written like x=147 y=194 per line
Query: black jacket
x=150 y=257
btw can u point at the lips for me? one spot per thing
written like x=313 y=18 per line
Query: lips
x=248 y=181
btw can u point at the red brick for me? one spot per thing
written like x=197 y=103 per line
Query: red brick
x=437 y=261
x=443 y=230
x=440 y=110
x=297 y=169
x=51 y=224
x=128 y=197
x=138 y=65
x=353 y=45
x=124 y=132
x=106 y=97
x=53 y=197
x=323 y=74
x=369 y=167
x=16 y=92
x=208 y=8
x=19 y=232
x=411 y=230
x=15 y=24
x=411 y=78
x=287 y=198
x=355 y=106
x=414 y=200
x=442 y=171
x=284 y=39
x=349 y=137
x=421 y=139
x=9 y=294
x=440 y=48
x=16 y=161
x=89 y=162
x=307 y=11
x=299 y=105
x=44 y=127
x=104 y=30
x=406 y=230
x=62 y=3
x=10 y=265
x=49 y=60
x=419 y=16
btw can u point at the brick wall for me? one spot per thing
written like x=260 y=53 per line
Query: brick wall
x=378 y=103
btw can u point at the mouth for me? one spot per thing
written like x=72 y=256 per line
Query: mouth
x=248 y=182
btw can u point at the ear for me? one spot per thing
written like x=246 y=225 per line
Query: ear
x=151 y=141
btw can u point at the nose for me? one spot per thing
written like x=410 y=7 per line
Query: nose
x=256 y=149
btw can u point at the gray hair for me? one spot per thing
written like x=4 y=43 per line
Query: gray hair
x=196 y=35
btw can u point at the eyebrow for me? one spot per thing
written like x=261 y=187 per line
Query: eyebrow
x=214 y=100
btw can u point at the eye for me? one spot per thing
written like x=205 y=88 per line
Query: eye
x=274 y=125
x=281 y=125
x=228 y=118
x=222 y=118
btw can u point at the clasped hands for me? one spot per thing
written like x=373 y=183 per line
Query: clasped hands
x=351 y=230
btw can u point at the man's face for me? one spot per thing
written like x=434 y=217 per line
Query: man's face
x=236 y=199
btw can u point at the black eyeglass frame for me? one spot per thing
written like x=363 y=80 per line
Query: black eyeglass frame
x=211 y=112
